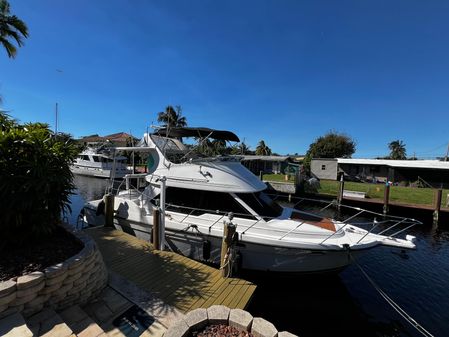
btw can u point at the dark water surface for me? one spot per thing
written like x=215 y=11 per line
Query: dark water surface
x=347 y=304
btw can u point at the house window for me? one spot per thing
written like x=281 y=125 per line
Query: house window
x=323 y=167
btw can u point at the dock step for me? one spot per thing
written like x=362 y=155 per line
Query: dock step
x=109 y=307
x=81 y=323
x=48 y=323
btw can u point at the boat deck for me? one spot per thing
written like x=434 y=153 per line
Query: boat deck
x=177 y=280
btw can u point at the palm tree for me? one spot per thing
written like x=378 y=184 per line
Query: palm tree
x=262 y=149
x=172 y=117
x=397 y=150
x=11 y=28
x=240 y=149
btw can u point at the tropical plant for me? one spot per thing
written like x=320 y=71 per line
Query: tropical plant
x=35 y=180
x=240 y=149
x=172 y=117
x=11 y=29
x=262 y=149
x=331 y=145
x=215 y=147
x=397 y=150
x=6 y=122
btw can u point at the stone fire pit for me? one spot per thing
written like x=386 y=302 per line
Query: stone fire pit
x=195 y=321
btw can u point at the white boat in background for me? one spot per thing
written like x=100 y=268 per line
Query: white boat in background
x=99 y=162
x=202 y=193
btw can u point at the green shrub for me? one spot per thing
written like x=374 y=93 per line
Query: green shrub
x=35 y=180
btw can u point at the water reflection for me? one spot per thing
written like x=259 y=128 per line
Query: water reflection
x=87 y=189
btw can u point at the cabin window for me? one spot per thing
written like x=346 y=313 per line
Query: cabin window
x=85 y=157
x=96 y=159
x=261 y=204
x=323 y=167
x=198 y=202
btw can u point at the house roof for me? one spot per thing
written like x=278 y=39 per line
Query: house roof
x=115 y=137
x=94 y=138
x=119 y=136
x=424 y=164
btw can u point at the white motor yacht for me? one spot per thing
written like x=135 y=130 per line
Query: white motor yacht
x=204 y=193
x=99 y=162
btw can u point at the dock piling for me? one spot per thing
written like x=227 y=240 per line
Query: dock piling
x=108 y=210
x=156 y=232
x=386 y=198
x=228 y=232
x=340 y=191
x=436 y=212
x=163 y=180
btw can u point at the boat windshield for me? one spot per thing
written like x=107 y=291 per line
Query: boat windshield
x=261 y=204
x=173 y=149
x=166 y=144
x=198 y=202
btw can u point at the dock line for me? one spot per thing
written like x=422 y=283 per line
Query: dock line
x=393 y=304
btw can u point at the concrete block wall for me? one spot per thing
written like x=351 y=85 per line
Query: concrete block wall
x=198 y=319
x=74 y=281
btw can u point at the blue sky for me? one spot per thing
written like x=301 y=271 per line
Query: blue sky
x=283 y=71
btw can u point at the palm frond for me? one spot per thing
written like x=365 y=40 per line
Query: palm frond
x=10 y=48
x=11 y=28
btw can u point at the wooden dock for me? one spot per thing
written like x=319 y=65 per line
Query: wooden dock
x=177 y=280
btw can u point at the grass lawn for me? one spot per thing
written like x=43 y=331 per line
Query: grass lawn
x=407 y=195
x=278 y=177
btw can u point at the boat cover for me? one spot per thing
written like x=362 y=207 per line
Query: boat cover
x=197 y=132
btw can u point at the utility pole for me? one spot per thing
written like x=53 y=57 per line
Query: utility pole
x=447 y=152
x=56 y=121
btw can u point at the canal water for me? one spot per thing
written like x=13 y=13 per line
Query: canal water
x=346 y=304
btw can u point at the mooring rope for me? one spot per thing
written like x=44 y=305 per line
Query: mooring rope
x=393 y=304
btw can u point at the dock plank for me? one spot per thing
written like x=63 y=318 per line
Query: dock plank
x=179 y=281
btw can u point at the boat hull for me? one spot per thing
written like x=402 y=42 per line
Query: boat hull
x=95 y=172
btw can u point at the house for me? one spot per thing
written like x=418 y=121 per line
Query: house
x=431 y=172
x=269 y=164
